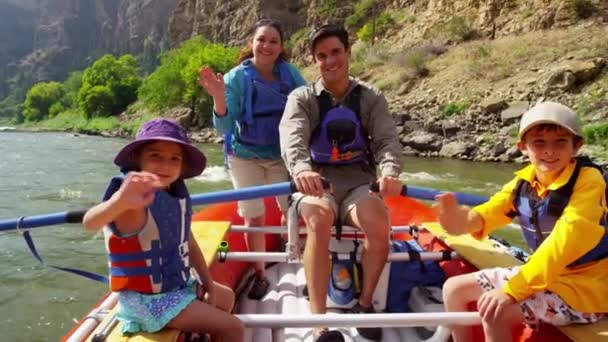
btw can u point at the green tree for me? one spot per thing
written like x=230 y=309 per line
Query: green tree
x=40 y=98
x=174 y=82
x=114 y=80
x=72 y=86
x=55 y=109
x=98 y=101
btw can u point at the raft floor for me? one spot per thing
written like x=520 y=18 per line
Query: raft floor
x=287 y=282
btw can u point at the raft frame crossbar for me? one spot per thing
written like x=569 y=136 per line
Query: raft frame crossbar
x=302 y=230
x=285 y=257
x=417 y=319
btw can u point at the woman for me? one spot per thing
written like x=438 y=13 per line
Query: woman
x=248 y=103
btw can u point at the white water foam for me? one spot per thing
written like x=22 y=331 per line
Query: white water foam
x=70 y=194
x=419 y=176
x=213 y=174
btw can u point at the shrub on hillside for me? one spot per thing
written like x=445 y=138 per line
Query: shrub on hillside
x=453 y=108
x=297 y=38
x=596 y=135
x=365 y=56
x=329 y=7
x=415 y=59
x=416 y=62
x=383 y=22
x=583 y=8
x=361 y=12
x=39 y=100
x=404 y=16
x=459 y=28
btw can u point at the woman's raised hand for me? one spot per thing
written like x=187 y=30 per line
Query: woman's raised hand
x=213 y=83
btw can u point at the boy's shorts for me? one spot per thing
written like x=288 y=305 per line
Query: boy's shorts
x=545 y=306
x=254 y=172
x=340 y=203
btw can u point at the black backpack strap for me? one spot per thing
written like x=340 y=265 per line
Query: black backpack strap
x=354 y=101
x=585 y=161
x=523 y=187
x=559 y=198
x=514 y=195
x=414 y=256
x=338 y=227
x=325 y=105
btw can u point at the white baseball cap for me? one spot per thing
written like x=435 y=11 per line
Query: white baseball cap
x=550 y=113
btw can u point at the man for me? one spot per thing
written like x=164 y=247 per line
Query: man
x=339 y=128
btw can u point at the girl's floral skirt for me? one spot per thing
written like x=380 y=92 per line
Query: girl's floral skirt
x=139 y=312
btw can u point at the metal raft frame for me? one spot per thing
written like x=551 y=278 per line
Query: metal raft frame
x=293 y=255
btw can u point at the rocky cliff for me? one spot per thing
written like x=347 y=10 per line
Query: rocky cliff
x=230 y=21
x=47 y=39
x=16 y=38
x=457 y=73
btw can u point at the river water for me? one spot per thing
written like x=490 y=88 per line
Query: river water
x=49 y=172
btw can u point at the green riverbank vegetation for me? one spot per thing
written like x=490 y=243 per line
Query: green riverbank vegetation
x=112 y=95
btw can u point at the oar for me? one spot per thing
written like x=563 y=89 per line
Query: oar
x=76 y=216
x=429 y=194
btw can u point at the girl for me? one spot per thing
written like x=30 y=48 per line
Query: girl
x=146 y=222
x=248 y=103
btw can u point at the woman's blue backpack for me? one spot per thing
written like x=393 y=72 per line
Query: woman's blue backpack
x=405 y=275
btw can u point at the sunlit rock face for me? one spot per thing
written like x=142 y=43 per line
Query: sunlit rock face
x=44 y=40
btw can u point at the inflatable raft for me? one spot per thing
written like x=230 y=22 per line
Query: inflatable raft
x=286 y=299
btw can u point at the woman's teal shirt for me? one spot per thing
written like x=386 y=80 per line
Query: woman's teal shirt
x=235 y=107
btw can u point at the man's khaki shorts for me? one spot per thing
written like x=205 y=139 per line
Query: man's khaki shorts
x=341 y=203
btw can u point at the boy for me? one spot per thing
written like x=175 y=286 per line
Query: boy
x=561 y=205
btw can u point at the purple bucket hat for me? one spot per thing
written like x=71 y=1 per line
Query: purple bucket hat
x=165 y=130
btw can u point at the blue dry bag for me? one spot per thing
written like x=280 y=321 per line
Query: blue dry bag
x=405 y=275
